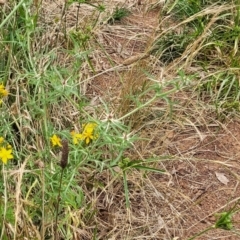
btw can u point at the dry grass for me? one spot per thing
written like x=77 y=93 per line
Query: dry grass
x=81 y=69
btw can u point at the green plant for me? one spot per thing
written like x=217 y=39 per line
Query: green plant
x=172 y=45
x=224 y=221
x=118 y=14
x=223 y=89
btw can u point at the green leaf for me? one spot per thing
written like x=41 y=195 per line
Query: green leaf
x=224 y=221
x=126 y=163
x=126 y=189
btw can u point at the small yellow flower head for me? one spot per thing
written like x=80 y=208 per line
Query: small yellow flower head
x=3 y=91
x=56 y=141
x=88 y=132
x=5 y=154
x=76 y=137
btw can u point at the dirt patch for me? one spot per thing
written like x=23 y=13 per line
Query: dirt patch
x=194 y=189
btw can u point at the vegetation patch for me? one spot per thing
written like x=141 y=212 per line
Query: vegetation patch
x=119 y=119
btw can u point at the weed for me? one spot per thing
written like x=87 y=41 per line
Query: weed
x=118 y=14
x=224 y=221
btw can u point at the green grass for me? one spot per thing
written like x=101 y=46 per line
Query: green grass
x=206 y=39
x=118 y=14
x=45 y=73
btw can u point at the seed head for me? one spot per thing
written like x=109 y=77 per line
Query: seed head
x=65 y=151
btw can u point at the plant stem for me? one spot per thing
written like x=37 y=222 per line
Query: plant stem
x=57 y=207
x=11 y=13
x=205 y=230
x=43 y=202
x=147 y=103
x=126 y=189
x=5 y=203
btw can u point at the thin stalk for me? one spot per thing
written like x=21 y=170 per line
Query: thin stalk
x=57 y=207
x=11 y=13
x=63 y=164
x=77 y=15
x=147 y=103
x=43 y=202
x=202 y=232
x=5 y=202
x=126 y=189
x=137 y=109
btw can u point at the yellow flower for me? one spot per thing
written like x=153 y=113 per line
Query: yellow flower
x=56 y=141
x=87 y=135
x=5 y=154
x=3 y=91
x=1 y=140
x=76 y=137
x=88 y=132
